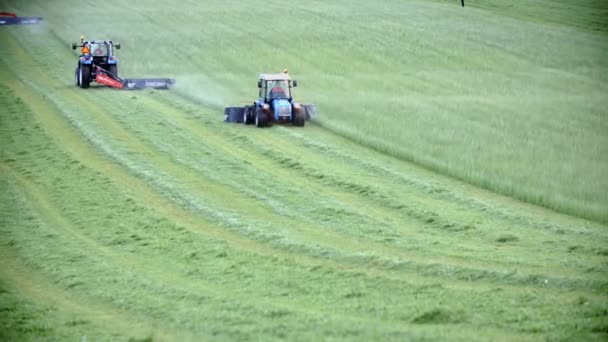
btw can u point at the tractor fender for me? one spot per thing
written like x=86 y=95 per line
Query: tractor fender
x=86 y=60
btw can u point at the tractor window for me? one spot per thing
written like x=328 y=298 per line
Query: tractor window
x=99 y=49
x=278 y=89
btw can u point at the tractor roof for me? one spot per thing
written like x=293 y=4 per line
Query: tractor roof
x=98 y=41
x=274 y=77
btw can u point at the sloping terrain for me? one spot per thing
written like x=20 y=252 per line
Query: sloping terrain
x=142 y=216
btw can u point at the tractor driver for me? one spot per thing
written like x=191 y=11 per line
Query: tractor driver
x=277 y=91
x=98 y=51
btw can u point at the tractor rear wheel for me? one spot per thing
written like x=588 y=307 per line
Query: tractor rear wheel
x=261 y=118
x=299 y=119
x=84 y=76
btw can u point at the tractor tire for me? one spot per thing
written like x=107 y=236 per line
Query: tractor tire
x=113 y=69
x=247 y=115
x=233 y=114
x=76 y=76
x=299 y=119
x=84 y=76
x=310 y=111
x=261 y=118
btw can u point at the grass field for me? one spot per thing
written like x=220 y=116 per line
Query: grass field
x=453 y=187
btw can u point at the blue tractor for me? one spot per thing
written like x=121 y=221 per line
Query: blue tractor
x=97 y=63
x=274 y=104
x=95 y=54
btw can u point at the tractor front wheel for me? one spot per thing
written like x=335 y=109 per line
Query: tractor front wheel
x=261 y=118
x=84 y=76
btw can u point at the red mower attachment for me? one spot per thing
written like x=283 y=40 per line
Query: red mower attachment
x=106 y=78
x=7 y=18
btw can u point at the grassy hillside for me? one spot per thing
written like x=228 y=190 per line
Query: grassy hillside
x=509 y=97
x=141 y=216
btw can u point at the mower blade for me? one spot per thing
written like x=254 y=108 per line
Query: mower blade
x=109 y=81
x=141 y=83
x=19 y=20
x=234 y=114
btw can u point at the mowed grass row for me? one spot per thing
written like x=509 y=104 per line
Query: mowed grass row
x=265 y=234
x=507 y=97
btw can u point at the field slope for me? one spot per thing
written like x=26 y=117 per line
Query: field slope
x=142 y=216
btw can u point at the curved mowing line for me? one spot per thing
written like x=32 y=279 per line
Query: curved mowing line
x=213 y=137
x=318 y=237
x=53 y=218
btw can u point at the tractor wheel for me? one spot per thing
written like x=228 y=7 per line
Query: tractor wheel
x=261 y=118
x=113 y=69
x=233 y=114
x=247 y=117
x=84 y=76
x=77 y=76
x=299 y=119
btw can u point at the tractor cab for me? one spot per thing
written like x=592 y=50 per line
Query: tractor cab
x=275 y=86
x=99 y=49
x=99 y=52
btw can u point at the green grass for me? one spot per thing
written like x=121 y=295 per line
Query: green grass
x=507 y=97
x=142 y=216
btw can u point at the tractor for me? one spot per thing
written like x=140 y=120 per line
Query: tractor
x=97 y=63
x=274 y=104
x=95 y=54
